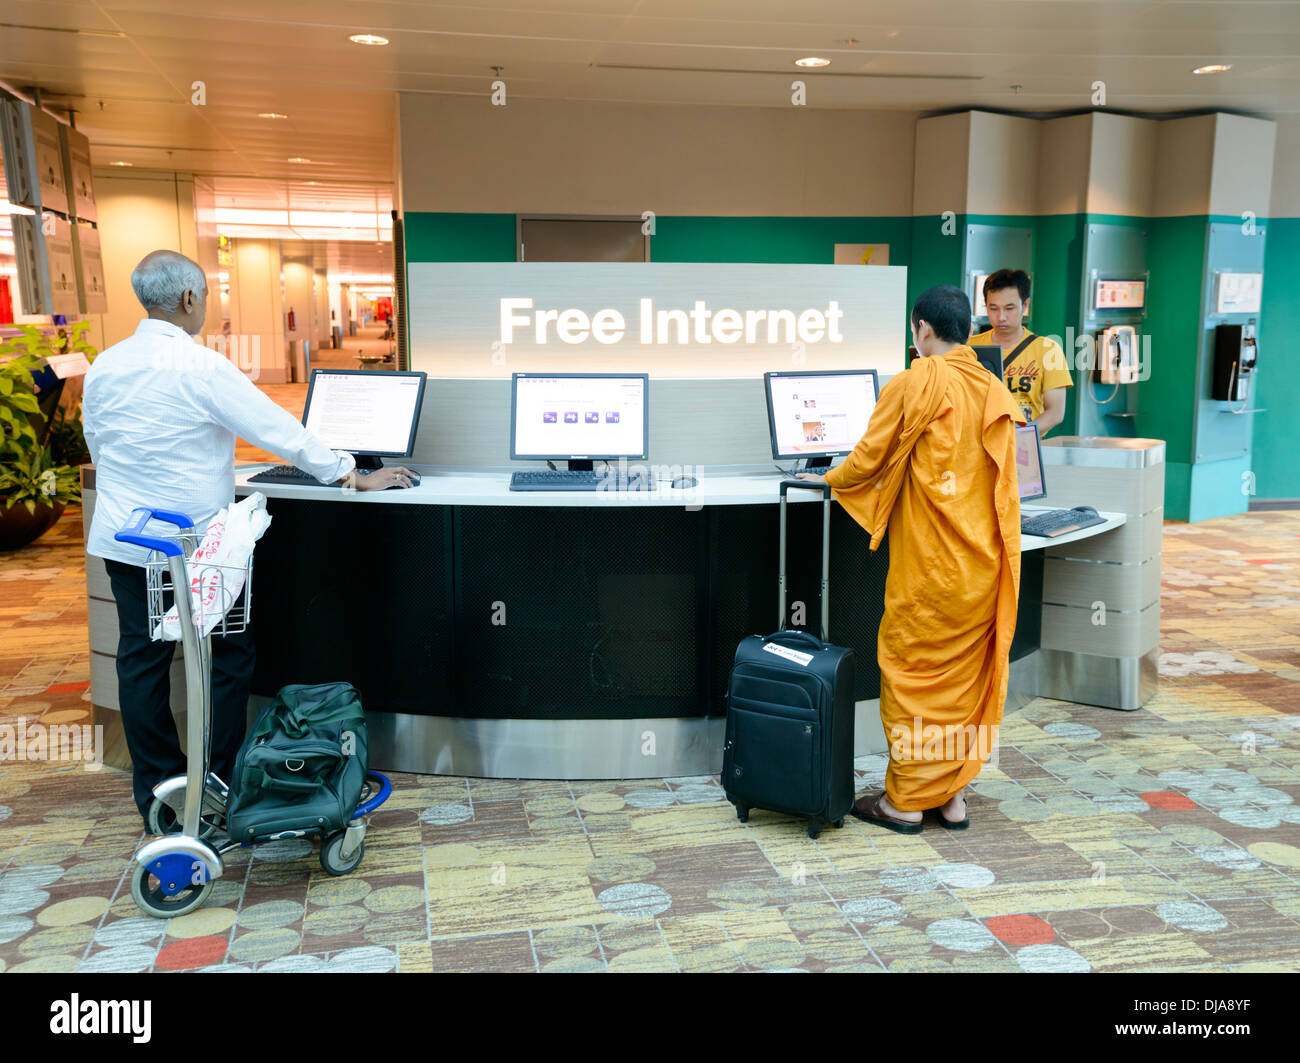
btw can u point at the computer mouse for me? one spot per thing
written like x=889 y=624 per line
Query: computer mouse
x=415 y=482
x=1087 y=511
x=683 y=483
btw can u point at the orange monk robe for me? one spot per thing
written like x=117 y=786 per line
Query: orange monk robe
x=937 y=466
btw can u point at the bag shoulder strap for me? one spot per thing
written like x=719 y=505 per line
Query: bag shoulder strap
x=1017 y=351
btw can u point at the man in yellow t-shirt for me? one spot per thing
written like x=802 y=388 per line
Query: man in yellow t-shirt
x=1034 y=367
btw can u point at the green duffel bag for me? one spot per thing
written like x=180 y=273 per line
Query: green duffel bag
x=302 y=765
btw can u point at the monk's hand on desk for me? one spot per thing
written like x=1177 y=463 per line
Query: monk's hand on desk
x=814 y=477
x=379 y=479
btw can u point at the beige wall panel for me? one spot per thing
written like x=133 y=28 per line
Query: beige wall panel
x=1121 y=165
x=1063 y=149
x=1286 y=168
x=1183 y=166
x=590 y=157
x=139 y=213
x=256 y=305
x=1003 y=173
x=1243 y=165
x=943 y=147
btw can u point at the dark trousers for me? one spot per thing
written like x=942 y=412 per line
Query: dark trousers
x=144 y=690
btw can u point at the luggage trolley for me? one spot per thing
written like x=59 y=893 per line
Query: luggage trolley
x=175 y=873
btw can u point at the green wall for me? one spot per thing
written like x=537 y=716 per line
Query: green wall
x=1277 y=387
x=1176 y=251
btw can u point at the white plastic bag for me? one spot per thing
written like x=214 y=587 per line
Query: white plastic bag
x=218 y=567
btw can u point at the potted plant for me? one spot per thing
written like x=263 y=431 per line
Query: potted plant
x=34 y=486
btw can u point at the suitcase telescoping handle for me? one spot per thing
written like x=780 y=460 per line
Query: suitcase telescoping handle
x=824 y=488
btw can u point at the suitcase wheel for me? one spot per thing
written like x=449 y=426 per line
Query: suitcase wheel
x=814 y=828
x=742 y=813
x=839 y=823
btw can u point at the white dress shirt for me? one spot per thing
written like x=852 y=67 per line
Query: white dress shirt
x=161 y=415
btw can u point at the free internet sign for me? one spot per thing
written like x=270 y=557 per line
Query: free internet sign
x=488 y=319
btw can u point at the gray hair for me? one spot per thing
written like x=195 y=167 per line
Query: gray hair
x=162 y=277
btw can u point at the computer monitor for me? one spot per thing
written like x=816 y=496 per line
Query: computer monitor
x=578 y=417
x=990 y=357
x=372 y=414
x=819 y=415
x=1029 y=463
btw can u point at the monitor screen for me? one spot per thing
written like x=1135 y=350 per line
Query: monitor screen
x=1029 y=463
x=990 y=357
x=817 y=414
x=568 y=416
x=364 y=411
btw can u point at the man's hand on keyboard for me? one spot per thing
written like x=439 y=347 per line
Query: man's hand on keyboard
x=379 y=479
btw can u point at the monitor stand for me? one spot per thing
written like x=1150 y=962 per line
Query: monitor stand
x=367 y=462
x=819 y=462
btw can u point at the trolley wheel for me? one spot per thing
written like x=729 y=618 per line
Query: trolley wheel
x=814 y=828
x=839 y=823
x=742 y=813
x=147 y=892
x=163 y=820
x=330 y=859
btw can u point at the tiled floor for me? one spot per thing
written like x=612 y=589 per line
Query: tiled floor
x=1167 y=838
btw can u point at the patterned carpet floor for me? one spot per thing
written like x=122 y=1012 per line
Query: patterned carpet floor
x=1162 y=839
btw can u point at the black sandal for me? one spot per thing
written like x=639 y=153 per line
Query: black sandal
x=871 y=813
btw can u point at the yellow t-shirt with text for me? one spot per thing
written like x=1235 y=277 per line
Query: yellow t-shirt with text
x=1040 y=367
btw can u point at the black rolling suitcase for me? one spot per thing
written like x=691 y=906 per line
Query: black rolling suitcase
x=789 y=737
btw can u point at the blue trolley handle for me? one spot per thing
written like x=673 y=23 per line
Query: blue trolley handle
x=132 y=530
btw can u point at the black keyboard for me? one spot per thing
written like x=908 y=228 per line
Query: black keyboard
x=1059 y=521
x=555 y=480
x=288 y=474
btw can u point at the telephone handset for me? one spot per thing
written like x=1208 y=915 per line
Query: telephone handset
x=1236 y=356
x=1117 y=357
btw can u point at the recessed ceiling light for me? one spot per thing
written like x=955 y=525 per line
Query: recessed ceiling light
x=812 y=60
x=121 y=164
x=1213 y=68
x=297 y=158
x=271 y=114
x=311 y=182
x=368 y=38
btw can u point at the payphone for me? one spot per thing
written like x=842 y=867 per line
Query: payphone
x=1236 y=355
x=1117 y=355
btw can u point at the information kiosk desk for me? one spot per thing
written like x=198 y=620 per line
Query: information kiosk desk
x=540 y=635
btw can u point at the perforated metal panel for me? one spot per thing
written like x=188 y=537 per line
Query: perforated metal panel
x=573 y=612
x=357 y=594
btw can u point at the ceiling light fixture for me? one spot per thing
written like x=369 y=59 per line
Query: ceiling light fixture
x=812 y=60
x=368 y=38
x=271 y=114
x=297 y=158
x=121 y=164
x=1213 y=68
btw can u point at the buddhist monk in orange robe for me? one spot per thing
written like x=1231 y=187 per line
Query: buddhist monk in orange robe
x=937 y=468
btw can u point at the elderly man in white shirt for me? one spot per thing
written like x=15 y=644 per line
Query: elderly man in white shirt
x=161 y=415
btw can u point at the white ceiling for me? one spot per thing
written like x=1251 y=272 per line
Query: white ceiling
x=127 y=66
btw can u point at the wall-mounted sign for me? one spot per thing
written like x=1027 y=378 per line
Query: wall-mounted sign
x=1239 y=293
x=862 y=254
x=1120 y=295
x=670 y=319
x=978 y=307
